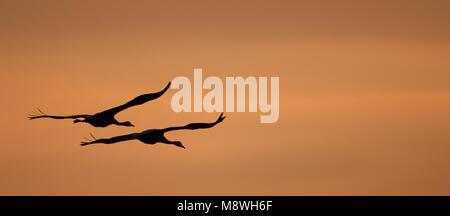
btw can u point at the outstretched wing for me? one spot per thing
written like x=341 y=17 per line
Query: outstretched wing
x=194 y=126
x=43 y=115
x=136 y=101
x=110 y=140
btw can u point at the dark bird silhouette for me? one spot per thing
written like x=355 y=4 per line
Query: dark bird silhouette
x=153 y=136
x=105 y=118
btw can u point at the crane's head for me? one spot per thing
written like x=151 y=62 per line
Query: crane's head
x=178 y=143
x=77 y=120
x=127 y=124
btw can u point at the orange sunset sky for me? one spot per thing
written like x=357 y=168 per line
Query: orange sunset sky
x=364 y=96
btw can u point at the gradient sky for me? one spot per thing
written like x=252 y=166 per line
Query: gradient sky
x=364 y=97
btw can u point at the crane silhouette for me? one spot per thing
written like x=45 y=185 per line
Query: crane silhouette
x=105 y=118
x=153 y=136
